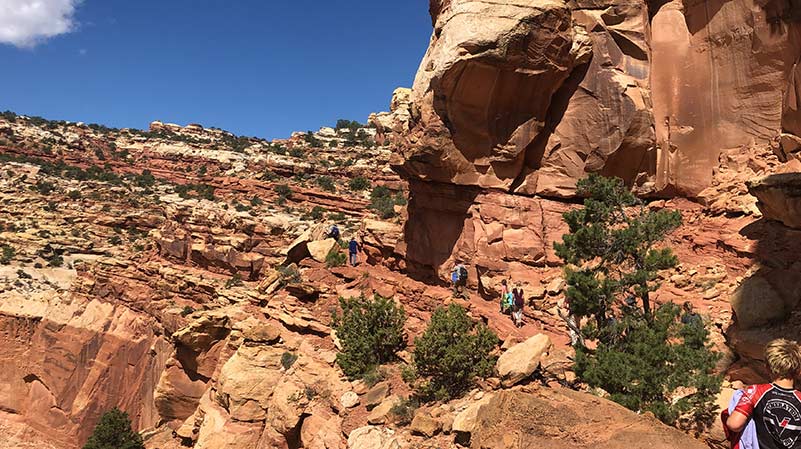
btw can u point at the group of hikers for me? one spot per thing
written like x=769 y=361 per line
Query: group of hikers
x=762 y=416
x=512 y=299
x=354 y=247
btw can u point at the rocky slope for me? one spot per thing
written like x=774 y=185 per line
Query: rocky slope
x=180 y=273
x=145 y=270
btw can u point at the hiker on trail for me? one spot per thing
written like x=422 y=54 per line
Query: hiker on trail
x=517 y=309
x=353 y=251
x=572 y=322
x=459 y=279
x=690 y=316
x=774 y=407
x=334 y=232
x=504 y=292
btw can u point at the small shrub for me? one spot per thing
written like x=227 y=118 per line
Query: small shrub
x=371 y=332
x=269 y=175
x=382 y=202
x=8 y=253
x=316 y=213
x=288 y=359
x=234 y=281
x=23 y=275
x=402 y=412
x=336 y=216
x=358 y=184
x=297 y=152
x=334 y=258
x=452 y=353
x=186 y=311
x=283 y=191
x=373 y=376
x=44 y=187
x=202 y=170
x=56 y=260
x=409 y=374
x=114 y=431
x=326 y=183
x=115 y=240
x=239 y=207
x=256 y=201
x=289 y=275
x=74 y=194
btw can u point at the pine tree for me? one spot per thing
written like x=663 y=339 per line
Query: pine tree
x=113 y=431
x=645 y=358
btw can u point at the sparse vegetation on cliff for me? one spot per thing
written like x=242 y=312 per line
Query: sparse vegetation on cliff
x=371 y=333
x=113 y=431
x=643 y=357
x=358 y=184
x=451 y=354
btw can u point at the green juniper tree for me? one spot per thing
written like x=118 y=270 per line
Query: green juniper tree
x=371 y=332
x=113 y=431
x=645 y=355
x=452 y=352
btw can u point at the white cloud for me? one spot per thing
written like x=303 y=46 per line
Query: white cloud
x=26 y=23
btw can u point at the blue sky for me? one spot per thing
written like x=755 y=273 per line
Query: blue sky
x=255 y=67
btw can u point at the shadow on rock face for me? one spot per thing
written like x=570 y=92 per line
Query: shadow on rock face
x=437 y=217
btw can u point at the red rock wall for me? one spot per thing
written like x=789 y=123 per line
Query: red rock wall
x=60 y=375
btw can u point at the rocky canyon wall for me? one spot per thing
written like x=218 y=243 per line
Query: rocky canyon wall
x=517 y=100
x=528 y=96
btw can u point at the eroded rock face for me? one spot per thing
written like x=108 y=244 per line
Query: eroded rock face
x=530 y=96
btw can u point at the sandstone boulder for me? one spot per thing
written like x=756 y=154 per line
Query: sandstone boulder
x=376 y=395
x=380 y=414
x=423 y=424
x=557 y=416
x=319 y=249
x=779 y=197
x=372 y=437
x=522 y=359
x=349 y=400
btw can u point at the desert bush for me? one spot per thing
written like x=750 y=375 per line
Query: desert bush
x=316 y=213
x=452 y=353
x=288 y=359
x=234 y=281
x=371 y=332
x=358 y=184
x=284 y=192
x=326 y=183
x=114 y=431
x=402 y=412
x=7 y=253
x=335 y=258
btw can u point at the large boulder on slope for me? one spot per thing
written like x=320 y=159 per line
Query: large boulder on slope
x=559 y=418
x=522 y=359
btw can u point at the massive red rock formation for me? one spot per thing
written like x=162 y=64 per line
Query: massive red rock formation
x=527 y=97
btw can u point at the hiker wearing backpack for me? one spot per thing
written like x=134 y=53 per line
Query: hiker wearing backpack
x=334 y=232
x=517 y=308
x=459 y=279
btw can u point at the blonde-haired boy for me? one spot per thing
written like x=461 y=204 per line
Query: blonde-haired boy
x=774 y=407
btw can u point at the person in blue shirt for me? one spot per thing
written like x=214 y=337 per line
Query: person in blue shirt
x=334 y=232
x=353 y=251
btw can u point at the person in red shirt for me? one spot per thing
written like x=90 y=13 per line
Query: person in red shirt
x=774 y=407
